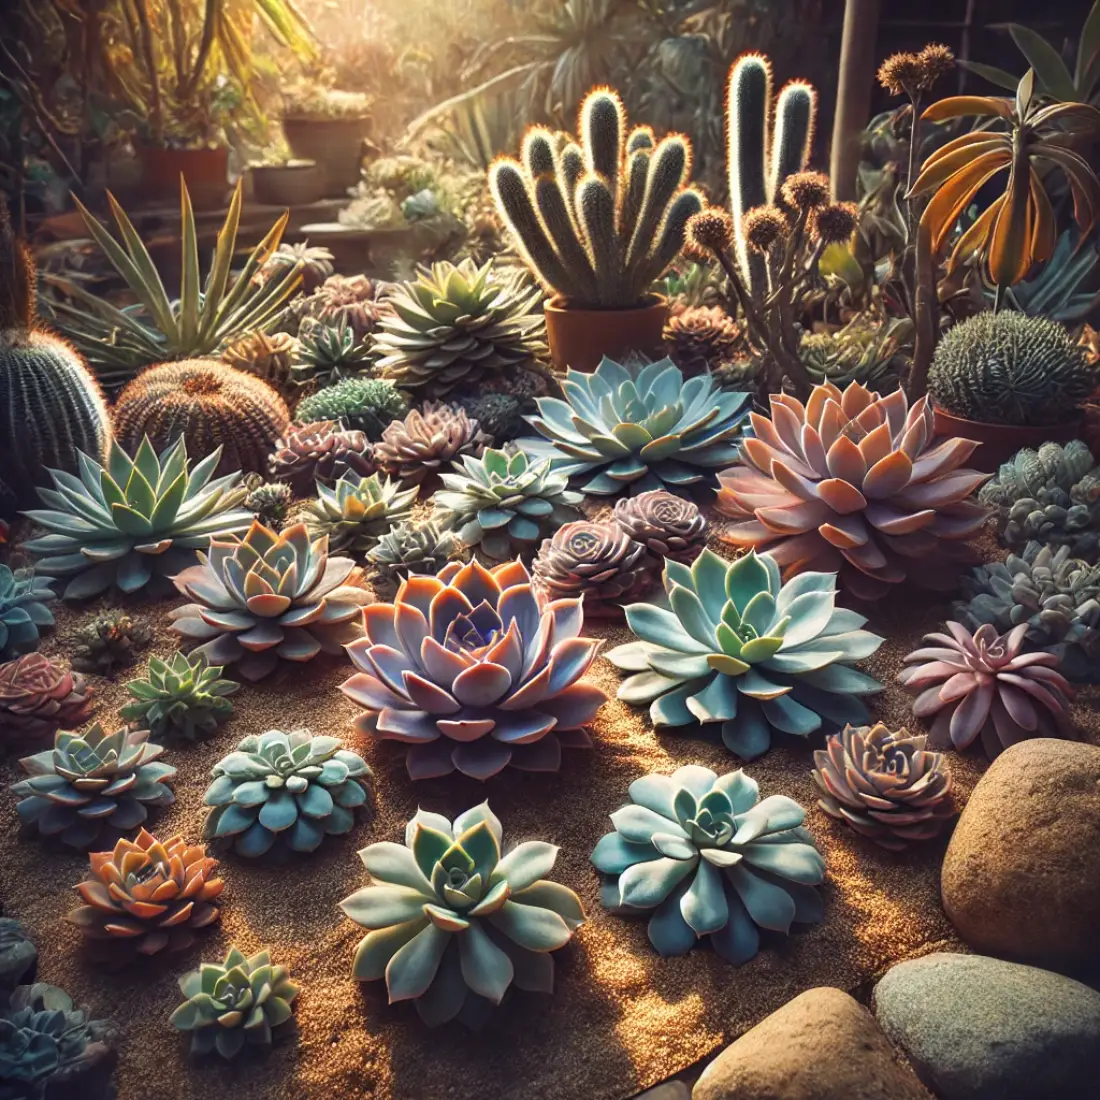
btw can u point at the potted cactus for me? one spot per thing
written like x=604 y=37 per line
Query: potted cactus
x=328 y=126
x=598 y=221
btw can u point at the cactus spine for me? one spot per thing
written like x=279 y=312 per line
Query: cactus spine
x=598 y=221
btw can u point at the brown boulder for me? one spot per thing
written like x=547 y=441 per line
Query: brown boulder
x=823 y=1045
x=1021 y=877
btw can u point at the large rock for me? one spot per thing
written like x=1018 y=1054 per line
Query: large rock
x=823 y=1045
x=977 y=1028
x=1022 y=872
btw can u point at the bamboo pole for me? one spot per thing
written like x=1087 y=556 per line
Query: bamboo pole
x=853 y=94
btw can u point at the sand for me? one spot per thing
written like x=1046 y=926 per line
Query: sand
x=621 y=1018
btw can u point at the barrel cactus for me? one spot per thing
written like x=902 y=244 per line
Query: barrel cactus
x=182 y=697
x=357 y=511
x=24 y=610
x=38 y=697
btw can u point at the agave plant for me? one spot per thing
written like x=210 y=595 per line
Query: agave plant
x=358 y=511
x=134 y=519
x=709 y=859
x=452 y=925
x=24 y=611
x=473 y=675
x=740 y=647
x=638 y=427
x=184 y=696
x=293 y=787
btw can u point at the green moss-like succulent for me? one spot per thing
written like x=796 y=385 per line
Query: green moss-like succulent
x=368 y=405
x=183 y=697
x=357 y=511
x=23 y=610
x=111 y=640
x=413 y=548
x=329 y=353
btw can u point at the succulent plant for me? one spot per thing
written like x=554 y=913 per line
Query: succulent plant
x=742 y=648
x=452 y=925
x=886 y=786
x=701 y=339
x=182 y=697
x=453 y=325
x=357 y=511
x=457 y=686
x=984 y=685
x=233 y=1003
x=313 y=261
x=320 y=453
x=109 y=641
x=638 y=427
x=503 y=503
x=597 y=222
x=860 y=352
x=152 y=894
x=368 y=405
x=24 y=597
x=209 y=405
x=268 y=501
x=412 y=548
x=49 y=1047
x=134 y=519
x=343 y=301
x=854 y=483
x=421 y=445
x=1051 y=496
x=666 y=525
x=328 y=354
x=1064 y=288
x=270 y=357
x=709 y=859
x=294 y=787
x=268 y=596
x=94 y=781
x=18 y=955
x=498 y=414
x=39 y=696
x=597 y=562
x=1008 y=368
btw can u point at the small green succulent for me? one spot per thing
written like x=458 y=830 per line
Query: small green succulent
x=109 y=641
x=23 y=610
x=504 y=503
x=182 y=696
x=290 y=786
x=329 y=353
x=413 y=548
x=269 y=501
x=357 y=511
x=860 y=352
x=368 y=405
x=233 y=1003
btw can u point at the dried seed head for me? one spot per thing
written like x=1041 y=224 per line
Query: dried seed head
x=835 y=223
x=902 y=74
x=708 y=232
x=763 y=226
x=806 y=190
x=935 y=60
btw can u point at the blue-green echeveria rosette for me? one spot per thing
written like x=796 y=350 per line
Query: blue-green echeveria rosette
x=453 y=924
x=740 y=647
x=23 y=610
x=708 y=859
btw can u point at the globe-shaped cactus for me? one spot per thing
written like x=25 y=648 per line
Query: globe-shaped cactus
x=473 y=675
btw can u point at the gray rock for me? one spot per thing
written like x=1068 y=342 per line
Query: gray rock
x=976 y=1028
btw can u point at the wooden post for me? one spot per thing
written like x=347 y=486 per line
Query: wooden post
x=853 y=93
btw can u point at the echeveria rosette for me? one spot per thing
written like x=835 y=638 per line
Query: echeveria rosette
x=23 y=610
x=709 y=859
x=740 y=647
x=453 y=924
x=469 y=671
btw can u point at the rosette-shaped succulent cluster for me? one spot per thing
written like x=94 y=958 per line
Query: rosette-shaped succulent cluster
x=453 y=325
x=182 y=697
x=328 y=354
x=1051 y=495
x=109 y=641
x=269 y=356
x=233 y=1003
x=700 y=339
x=708 y=858
x=413 y=548
x=357 y=511
x=886 y=786
x=268 y=501
x=859 y=352
x=268 y=596
x=597 y=562
x=134 y=519
x=367 y=405
x=854 y=483
x=473 y=675
x=638 y=427
x=18 y=955
x=350 y=301
x=452 y=924
x=983 y=685
x=320 y=453
x=427 y=440
x=666 y=525
x=504 y=502
x=314 y=262
x=152 y=895
x=24 y=597
x=39 y=696
x=740 y=647
x=92 y=782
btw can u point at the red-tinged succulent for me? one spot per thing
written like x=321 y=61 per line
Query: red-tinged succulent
x=982 y=684
x=39 y=696
x=853 y=483
x=151 y=893
x=473 y=675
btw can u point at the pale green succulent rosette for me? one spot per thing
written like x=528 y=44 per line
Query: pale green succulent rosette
x=740 y=647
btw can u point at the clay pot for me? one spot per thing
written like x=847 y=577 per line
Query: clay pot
x=999 y=442
x=205 y=171
x=296 y=183
x=580 y=338
x=336 y=144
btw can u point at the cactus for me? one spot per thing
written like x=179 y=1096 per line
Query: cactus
x=50 y=405
x=598 y=223
x=211 y=405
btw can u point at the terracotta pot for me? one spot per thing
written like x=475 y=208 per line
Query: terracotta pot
x=206 y=172
x=999 y=442
x=580 y=338
x=336 y=144
x=296 y=183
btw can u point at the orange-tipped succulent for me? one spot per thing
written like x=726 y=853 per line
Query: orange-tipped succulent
x=853 y=483
x=154 y=894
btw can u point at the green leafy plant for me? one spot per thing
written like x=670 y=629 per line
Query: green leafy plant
x=24 y=610
x=330 y=353
x=1063 y=289
x=367 y=405
x=182 y=696
x=357 y=511
x=269 y=501
x=859 y=352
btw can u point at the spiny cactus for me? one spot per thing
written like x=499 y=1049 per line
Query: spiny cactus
x=209 y=404
x=598 y=222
